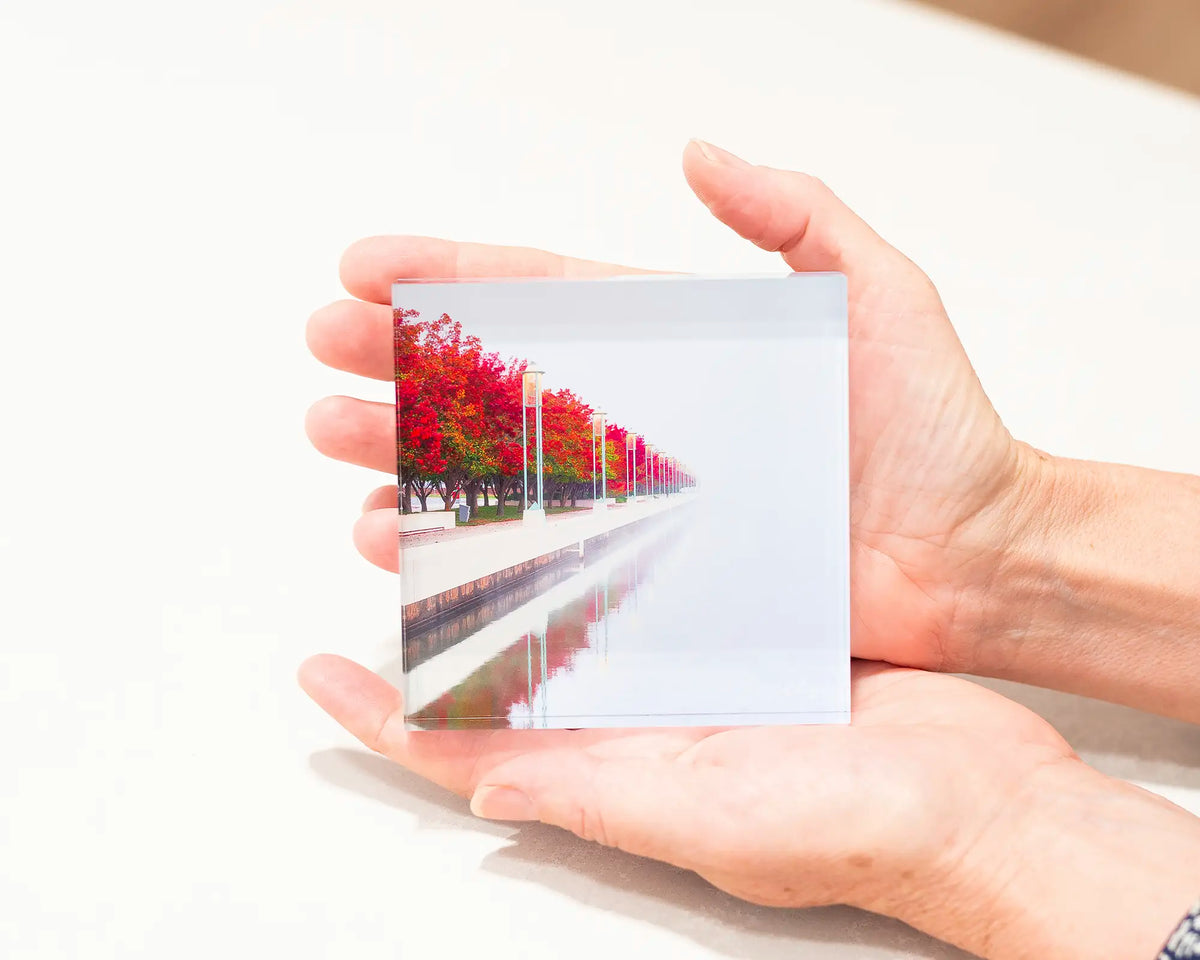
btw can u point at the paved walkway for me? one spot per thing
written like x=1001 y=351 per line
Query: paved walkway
x=440 y=561
x=422 y=537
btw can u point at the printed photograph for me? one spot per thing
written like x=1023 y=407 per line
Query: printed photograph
x=623 y=502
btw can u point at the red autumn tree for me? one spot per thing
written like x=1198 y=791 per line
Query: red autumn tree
x=418 y=431
x=458 y=424
x=566 y=445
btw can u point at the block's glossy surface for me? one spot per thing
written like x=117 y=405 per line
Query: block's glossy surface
x=718 y=595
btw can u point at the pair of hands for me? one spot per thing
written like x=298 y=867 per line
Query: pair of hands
x=933 y=777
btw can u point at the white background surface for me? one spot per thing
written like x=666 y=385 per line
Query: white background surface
x=177 y=184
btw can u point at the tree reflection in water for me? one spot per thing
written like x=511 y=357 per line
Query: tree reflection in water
x=510 y=689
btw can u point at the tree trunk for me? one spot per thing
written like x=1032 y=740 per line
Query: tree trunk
x=449 y=488
x=485 y=496
x=406 y=497
x=501 y=490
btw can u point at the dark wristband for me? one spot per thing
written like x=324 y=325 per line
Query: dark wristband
x=1184 y=943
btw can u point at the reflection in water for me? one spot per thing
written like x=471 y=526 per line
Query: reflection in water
x=702 y=616
x=423 y=642
x=513 y=687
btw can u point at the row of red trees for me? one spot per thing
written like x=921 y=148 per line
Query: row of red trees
x=458 y=425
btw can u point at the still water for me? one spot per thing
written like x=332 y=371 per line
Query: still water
x=690 y=618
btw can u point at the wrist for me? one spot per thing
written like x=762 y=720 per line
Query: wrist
x=1078 y=865
x=998 y=588
x=1090 y=584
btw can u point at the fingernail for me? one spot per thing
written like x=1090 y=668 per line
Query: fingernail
x=715 y=154
x=502 y=803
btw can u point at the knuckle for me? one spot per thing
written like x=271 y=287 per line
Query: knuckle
x=807 y=181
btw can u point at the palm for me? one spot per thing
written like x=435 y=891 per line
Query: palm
x=779 y=815
x=928 y=457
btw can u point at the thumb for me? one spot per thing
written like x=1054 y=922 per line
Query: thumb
x=793 y=214
x=641 y=806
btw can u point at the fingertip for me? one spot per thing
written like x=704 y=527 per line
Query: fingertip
x=311 y=418
x=313 y=672
x=371 y=265
x=320 y=417
x=312 y=333
x=353 y=268
x=360 y=700
x=691 y=149
x=699 y=170
x=782 y=211
x=731 y=188
x=502 y=803
x=355 y=431
x=376 y=537
x=386 y=497
x=712 y=154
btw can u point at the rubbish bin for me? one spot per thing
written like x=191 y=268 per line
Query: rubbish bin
x=464 y=512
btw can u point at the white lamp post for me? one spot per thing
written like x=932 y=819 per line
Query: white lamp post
x=594 y=418
x=650 y=468
x=531 y=396
x=603 y=462
x=598 y=435
x=630 y=474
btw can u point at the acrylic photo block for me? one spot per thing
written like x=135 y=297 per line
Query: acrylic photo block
x=624 y=502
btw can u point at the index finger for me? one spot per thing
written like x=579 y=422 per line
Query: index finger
x=370 y=265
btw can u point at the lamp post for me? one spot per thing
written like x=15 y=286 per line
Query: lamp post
x=594 y=416
x=598 y=434
x=630 y=449
x=603 y=463
x=650 y=468
x=531 y=396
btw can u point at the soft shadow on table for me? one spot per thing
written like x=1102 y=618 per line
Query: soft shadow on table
x=1116 y=740
x=618 y=882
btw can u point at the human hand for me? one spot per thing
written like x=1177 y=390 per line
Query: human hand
x=942 y=804
x=933 y=471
